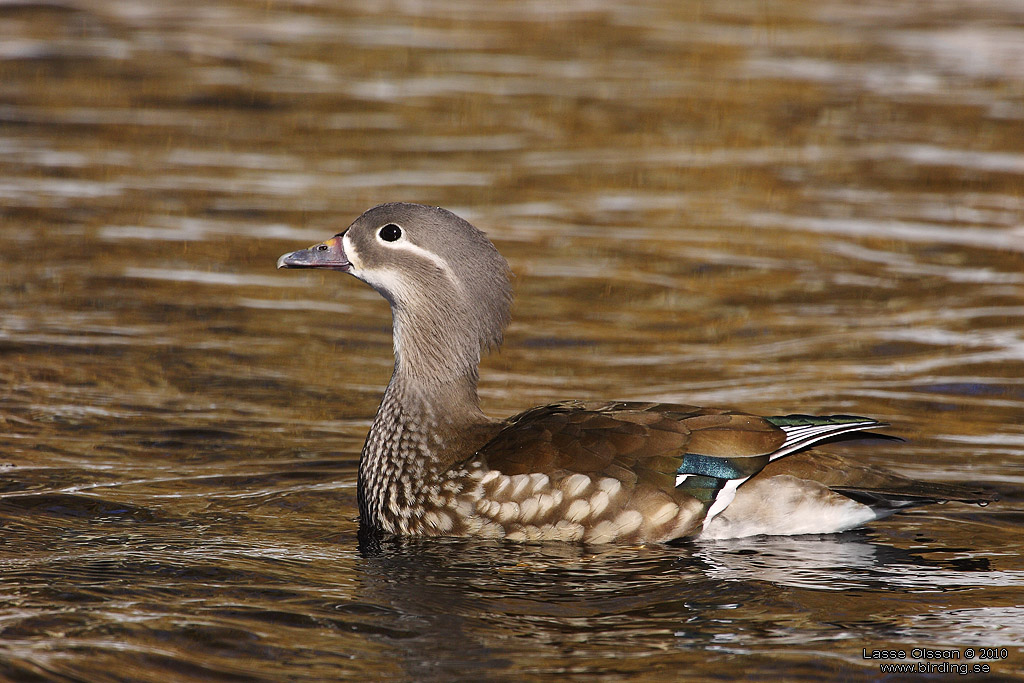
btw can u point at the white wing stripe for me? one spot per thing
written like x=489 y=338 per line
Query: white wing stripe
x=805 y=438
x=722 y=500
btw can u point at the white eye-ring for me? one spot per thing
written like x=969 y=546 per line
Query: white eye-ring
x=390 y=232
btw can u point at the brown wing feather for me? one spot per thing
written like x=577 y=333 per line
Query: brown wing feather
x=612 y=438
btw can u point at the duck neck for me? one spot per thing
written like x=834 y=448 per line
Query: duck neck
x=421 y=429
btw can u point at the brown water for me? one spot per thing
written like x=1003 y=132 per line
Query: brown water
x=776 y=206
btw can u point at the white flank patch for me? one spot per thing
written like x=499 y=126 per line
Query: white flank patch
x=528 y=510
x=629 y=521
x=598 y=502
x=603 y=532
x=578 y=511
x=508 y=512
x=575 y=485
x=664 y=513
x=800 y=507
x=519 y=483
x=548 y=502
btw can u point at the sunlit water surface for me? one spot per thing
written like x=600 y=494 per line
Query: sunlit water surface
x=775 y=206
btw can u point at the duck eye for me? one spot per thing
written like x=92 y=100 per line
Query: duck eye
x=390 y=232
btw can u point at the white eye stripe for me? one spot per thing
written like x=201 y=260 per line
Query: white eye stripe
x=406 y=245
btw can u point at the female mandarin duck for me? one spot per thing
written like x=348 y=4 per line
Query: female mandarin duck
x=435 y=465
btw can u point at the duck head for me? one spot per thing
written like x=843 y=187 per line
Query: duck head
x=447 y=285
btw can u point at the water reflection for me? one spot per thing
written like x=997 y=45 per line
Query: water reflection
x=848 y=563
x=753 y=594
